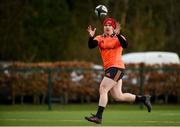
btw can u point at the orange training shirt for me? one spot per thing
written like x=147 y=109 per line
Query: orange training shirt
x=111 y=51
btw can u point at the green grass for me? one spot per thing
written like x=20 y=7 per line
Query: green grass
x=73 y=115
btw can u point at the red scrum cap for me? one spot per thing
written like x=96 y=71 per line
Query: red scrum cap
x=110 y=21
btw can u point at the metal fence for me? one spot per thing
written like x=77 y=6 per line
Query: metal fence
x=66 y=85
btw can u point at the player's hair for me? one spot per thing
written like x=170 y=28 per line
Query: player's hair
x=110 y=21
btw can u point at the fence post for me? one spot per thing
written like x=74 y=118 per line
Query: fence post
x=141 y=81
x=49 y=89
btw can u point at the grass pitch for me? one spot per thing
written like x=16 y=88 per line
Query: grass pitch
x=73 y=115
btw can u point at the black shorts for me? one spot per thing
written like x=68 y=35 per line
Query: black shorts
x=114 y=73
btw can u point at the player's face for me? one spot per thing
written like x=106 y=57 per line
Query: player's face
x=108 y=29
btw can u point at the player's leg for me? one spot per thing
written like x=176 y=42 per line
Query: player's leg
x=104 y=88
x=106 y=85
x=146 y=100
x=118 y=95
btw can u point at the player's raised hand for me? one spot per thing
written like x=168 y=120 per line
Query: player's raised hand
x=118 y=28
x=91 y=30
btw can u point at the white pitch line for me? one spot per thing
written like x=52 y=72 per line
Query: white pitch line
x=152 y=121
x=56 y=120
x=170 y=114
x=44 y=120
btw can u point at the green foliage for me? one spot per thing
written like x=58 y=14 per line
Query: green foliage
x=46 y=25
x=51 y=30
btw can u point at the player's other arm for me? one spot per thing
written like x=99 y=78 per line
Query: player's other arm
x=121 y=38
x=122 y=41
x=91 y=42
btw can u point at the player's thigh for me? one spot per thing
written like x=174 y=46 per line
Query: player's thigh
x=117 y=89
x=107 y=84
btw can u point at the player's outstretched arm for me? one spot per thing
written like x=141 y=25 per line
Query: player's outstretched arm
x=91 y=31
x=121 y=38
x=118 y=28
x=91 y=42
